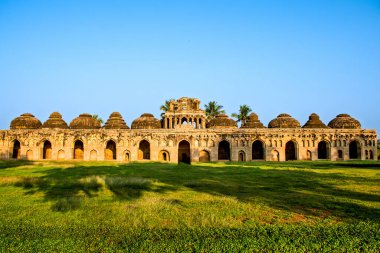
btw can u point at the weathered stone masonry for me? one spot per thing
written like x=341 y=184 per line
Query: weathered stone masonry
x=185 y=135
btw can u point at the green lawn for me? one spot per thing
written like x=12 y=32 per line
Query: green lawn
x=205 y=207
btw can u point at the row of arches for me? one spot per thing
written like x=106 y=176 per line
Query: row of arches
x=184 y=154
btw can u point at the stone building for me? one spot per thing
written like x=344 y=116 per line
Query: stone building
x=183 y=136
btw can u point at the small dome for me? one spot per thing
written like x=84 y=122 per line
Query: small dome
x=115 y=121
x=284 y=121
x=314 y=122
x=146 y=121
x=85 y=121
x=26 y=121
x=55 y=121
x=222 y=121
x=344 y=121
x=253 y=122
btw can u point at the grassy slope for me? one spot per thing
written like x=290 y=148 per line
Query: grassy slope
x=299 y=206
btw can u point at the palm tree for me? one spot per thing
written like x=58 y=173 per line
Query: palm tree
x=242 y=116
x=165 y=107
x=96 y=116
x=213 y=109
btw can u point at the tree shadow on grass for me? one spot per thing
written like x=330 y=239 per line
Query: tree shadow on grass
x=14 y=163
x=68 y=187
x=304 y=192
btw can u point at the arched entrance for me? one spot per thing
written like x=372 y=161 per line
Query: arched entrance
x=184 y=152
x=61 y=155
x=340 y=154
x=29 y=155
x=224 y=150
x=275 y=156
x=308 y=155
x=127 y=156
x=323 y=150
x=241 y=156
x=164 y=156
x=16 y=151
x=290 y=151
x=371 y=155
x=93 y=155
x=144 y=150
x=354 y=150
x=110 y=152
x=46 y=150
x=257 y=150
x=204 y=156
x=78 y=150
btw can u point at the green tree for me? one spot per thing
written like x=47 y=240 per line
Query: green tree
x=165 y=107
x=242 y=116
x=213 y=109
x=96 y=116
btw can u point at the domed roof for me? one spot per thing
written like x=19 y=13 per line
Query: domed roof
x=344 y=121
x=85 y=121
x=115 y=121
x=253 y=122
x=146 y=121
x=55 y=121
x=26 y=121
x=222 y=121
x=314 y=122
x=284 y=121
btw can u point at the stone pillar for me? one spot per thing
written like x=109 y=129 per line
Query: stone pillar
x=170 y=122
x=165 y=123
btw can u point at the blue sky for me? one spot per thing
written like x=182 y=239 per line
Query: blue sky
x=98 y=57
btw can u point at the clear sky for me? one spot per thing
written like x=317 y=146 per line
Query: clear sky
x=296 y=57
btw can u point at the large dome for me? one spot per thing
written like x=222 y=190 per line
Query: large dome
x=115 y=121
x=146 y=121
x=284 y=121
x=222 y=121
x=85 y=121
x=253 y=122
x=55 y=121
x=344 y=121
x=314 y=122
x=26 y=121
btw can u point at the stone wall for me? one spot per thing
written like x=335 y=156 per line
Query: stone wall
x=333 y=143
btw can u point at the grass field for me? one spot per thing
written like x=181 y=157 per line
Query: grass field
x=205 y=207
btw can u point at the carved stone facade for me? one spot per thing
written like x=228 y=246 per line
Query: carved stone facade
x=185 y=138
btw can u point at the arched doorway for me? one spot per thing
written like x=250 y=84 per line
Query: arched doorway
x=184 y=152
x=323 y=150
x=127 y=156
x=78 y=150
x=61 y=155
x=275 y=156
x=257 y=150
x=371 y=155
x=204 y=156
x=164 y=156
x=144 y=150
x=93 y=155
x=290 y=151
x=308 y=155
x=224 y=150
x=241 y=156
x=16 y=151
x=29 y=155
x=110 y=152
x=46 y=150
x=340 y=154
x=354 y=150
